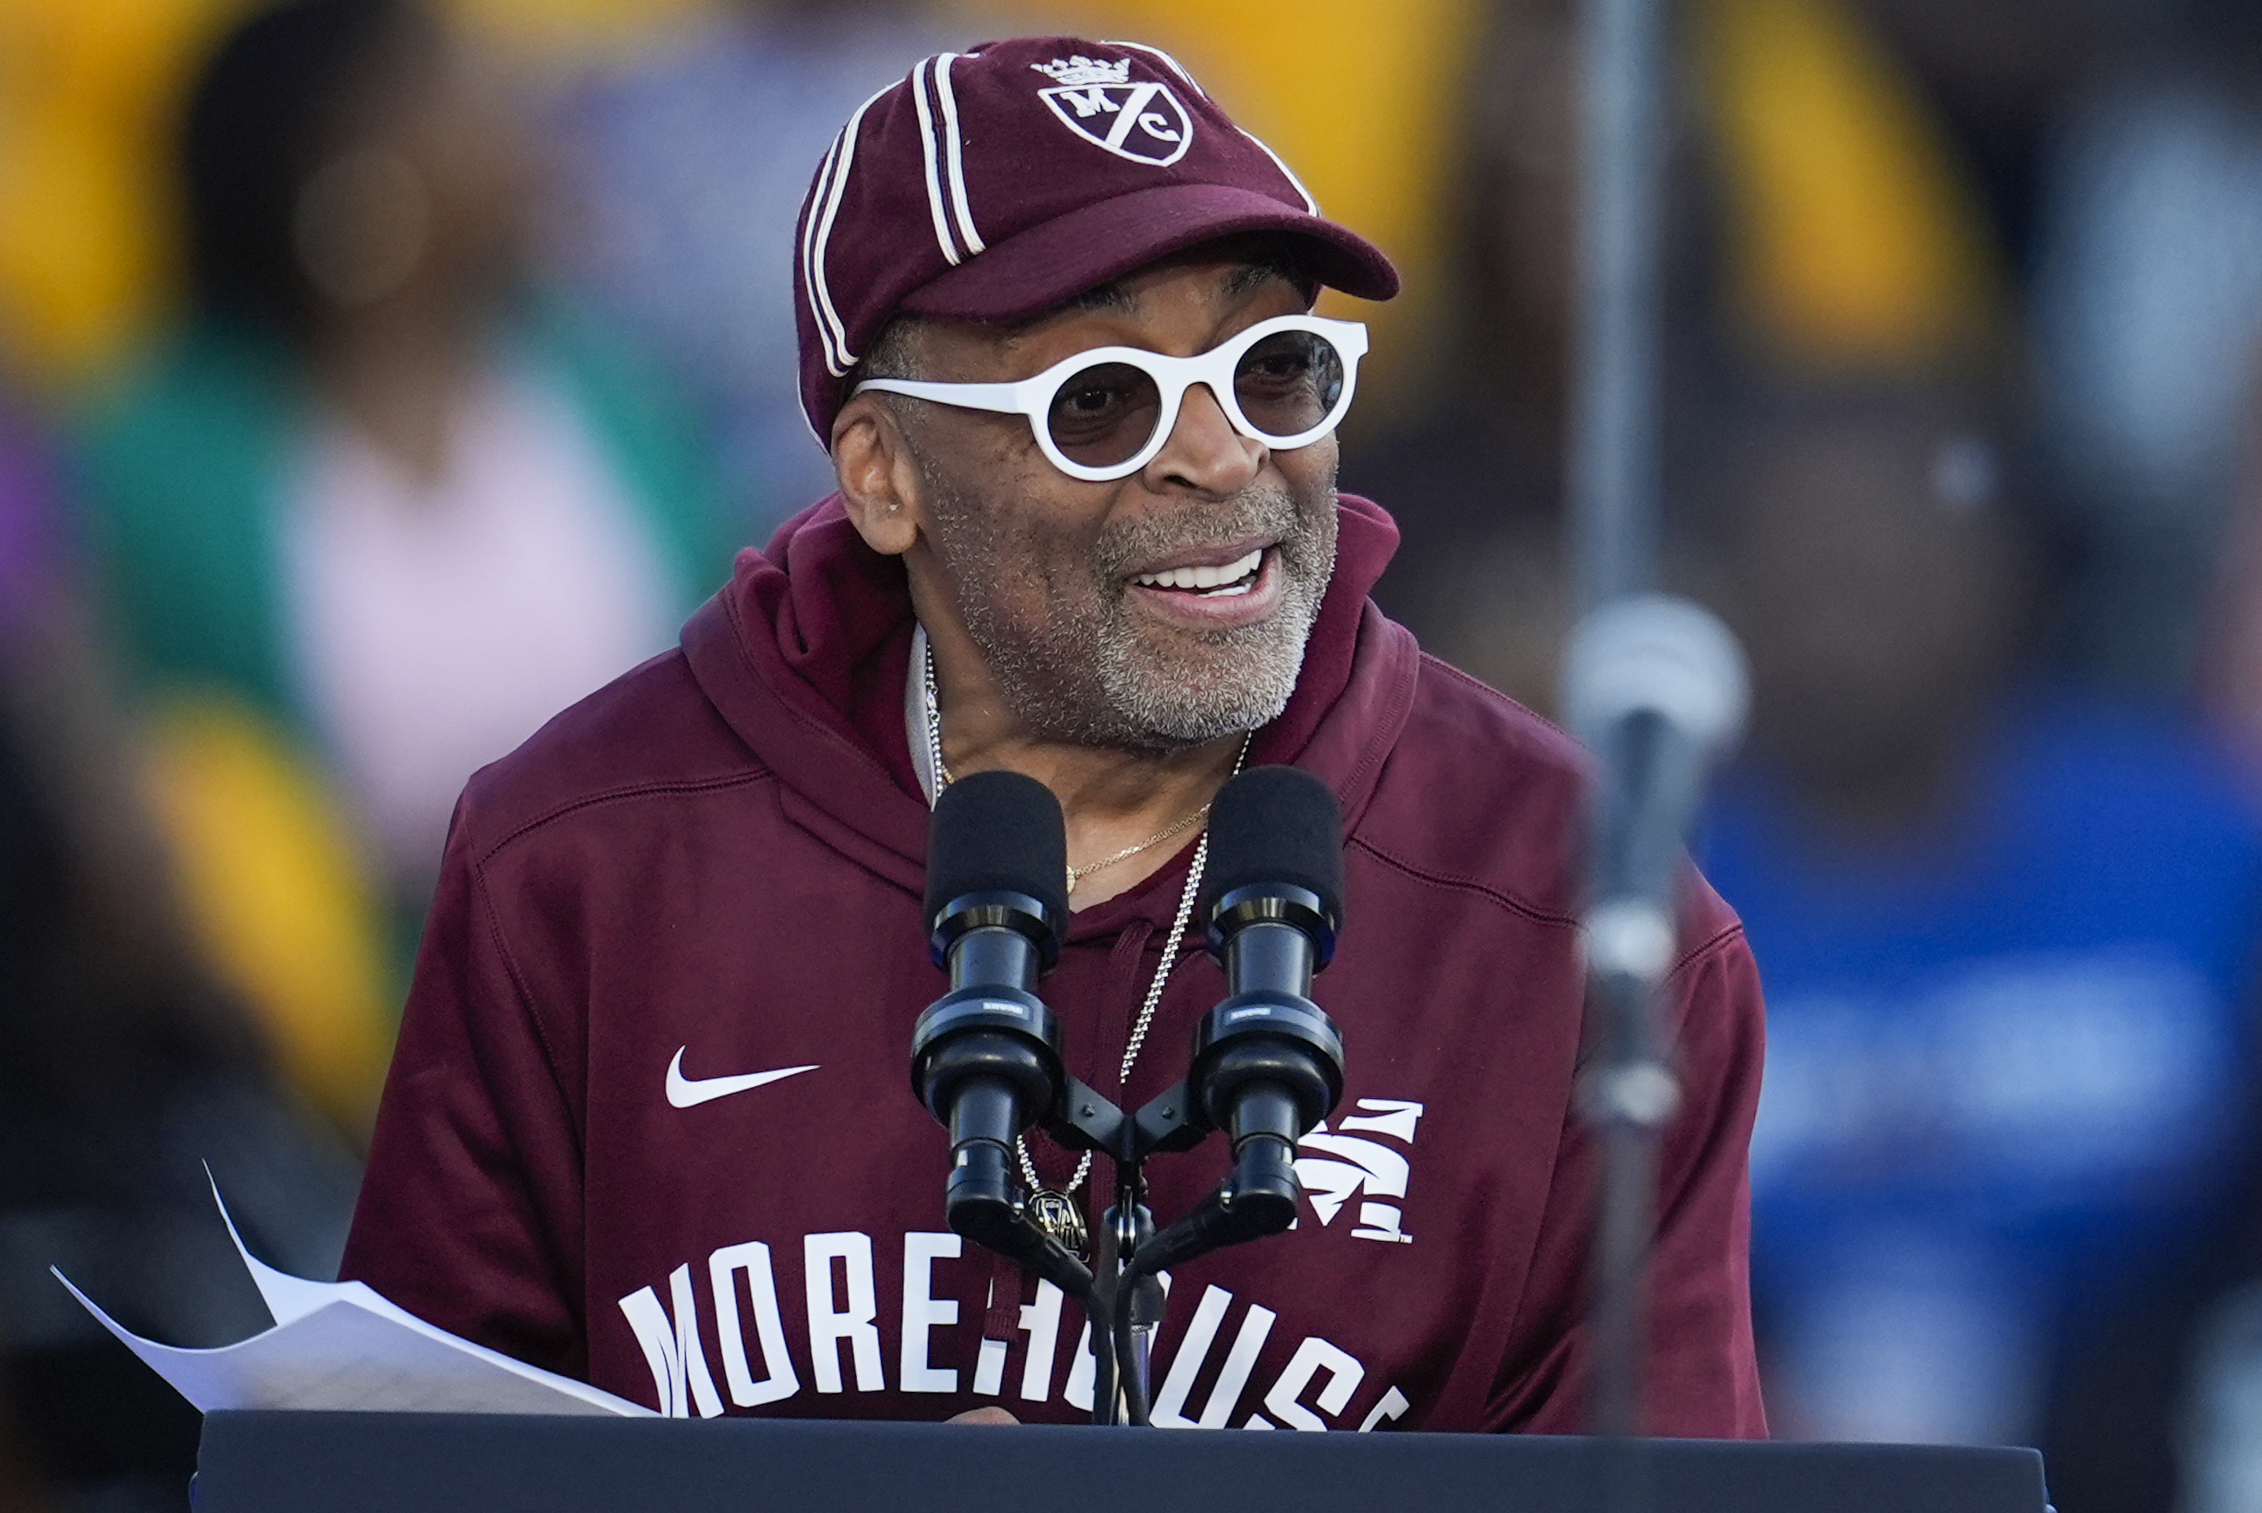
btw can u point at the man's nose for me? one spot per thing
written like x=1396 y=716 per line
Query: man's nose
x=1204 y=452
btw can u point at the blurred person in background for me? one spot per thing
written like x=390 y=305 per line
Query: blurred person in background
x=1819 y=225
x=2010 y=928
x=2147 y=314
x=2166 y=1412
x=2230 y=660
x=374 y=511
x=1473 y=474
x=680 y=177
x=124 y=1069
x=2008 y=921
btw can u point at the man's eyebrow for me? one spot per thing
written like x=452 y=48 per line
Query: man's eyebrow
x=1249 y=278
x=1238 y=284
x=1109 y=296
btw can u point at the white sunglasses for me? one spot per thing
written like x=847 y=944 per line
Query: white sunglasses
x=1104 y=414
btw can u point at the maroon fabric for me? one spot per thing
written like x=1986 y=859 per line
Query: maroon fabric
x=720 y=857
x=992 y=185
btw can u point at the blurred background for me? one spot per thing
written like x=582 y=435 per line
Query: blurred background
x=344 y=345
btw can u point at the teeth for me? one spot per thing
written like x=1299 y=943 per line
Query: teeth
x=1204 y=577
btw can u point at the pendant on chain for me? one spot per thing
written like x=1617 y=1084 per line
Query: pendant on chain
x=1057 y=1215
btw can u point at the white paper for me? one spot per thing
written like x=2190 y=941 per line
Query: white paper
x=339 y=1345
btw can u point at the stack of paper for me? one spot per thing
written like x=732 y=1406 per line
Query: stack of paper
x=339 y=1345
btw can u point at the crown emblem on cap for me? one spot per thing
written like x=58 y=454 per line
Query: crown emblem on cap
x=1079 y=69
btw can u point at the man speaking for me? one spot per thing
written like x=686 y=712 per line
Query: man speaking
x=648 y=1123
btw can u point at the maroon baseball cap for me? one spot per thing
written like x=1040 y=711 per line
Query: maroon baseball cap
x=994 y=184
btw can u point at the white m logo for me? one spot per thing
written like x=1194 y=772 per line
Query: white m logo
x=1143 y=122
x=1336 y=1167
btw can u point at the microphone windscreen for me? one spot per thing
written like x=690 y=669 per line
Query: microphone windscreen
x=1655 y=654
x=1277 y=825
x=998 y=831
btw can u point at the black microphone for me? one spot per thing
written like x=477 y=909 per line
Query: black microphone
x=1268 y=1062
x=985 y=1057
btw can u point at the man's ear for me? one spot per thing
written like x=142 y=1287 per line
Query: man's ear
x=879 y=478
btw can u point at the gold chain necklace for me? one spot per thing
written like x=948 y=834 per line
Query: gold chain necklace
x=1078 y=874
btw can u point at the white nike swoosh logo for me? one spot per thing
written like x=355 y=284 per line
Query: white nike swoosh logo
x=683 y=1092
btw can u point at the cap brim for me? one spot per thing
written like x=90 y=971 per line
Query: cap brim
x=1031 y=273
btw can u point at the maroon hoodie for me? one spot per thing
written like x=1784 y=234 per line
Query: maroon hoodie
x=712 y=869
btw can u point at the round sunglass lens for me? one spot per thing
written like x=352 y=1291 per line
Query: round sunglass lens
x=1104 y=414
x=1289 y=382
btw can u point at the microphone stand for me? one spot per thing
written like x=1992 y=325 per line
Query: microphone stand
x=1131 y=1306
x=1624 y=1101
x=1614 y=461
x=1646 y=799
x=1124 y=1306
x=1268 y=1062
x=1257 y=1198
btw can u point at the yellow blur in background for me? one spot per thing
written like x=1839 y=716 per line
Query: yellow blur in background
x=87 y=99
x=1853 y=238
x=278 y=898
x=1350 y=93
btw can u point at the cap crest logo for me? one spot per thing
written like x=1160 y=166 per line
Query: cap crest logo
x=1079 y=69
x=1096 y=99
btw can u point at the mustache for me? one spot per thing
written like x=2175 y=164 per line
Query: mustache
x=1260 y=510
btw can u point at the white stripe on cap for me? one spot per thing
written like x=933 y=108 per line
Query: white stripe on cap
x=809 y=277
x=928 y=141
x=961 y=206
x=837 y=356
x=1175 y=66
x=1311 y=206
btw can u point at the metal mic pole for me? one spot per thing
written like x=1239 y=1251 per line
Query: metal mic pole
x=1614 y=461
x=1656 y=685
x=1614 y=471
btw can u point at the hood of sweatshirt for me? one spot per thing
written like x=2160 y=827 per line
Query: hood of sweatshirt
x=805 y=653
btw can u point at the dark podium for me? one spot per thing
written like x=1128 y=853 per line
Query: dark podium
x=492 y=1463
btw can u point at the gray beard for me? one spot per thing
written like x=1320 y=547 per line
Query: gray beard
x=1089 y=681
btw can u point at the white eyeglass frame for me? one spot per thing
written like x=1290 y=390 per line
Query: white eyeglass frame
x=1173 y=376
